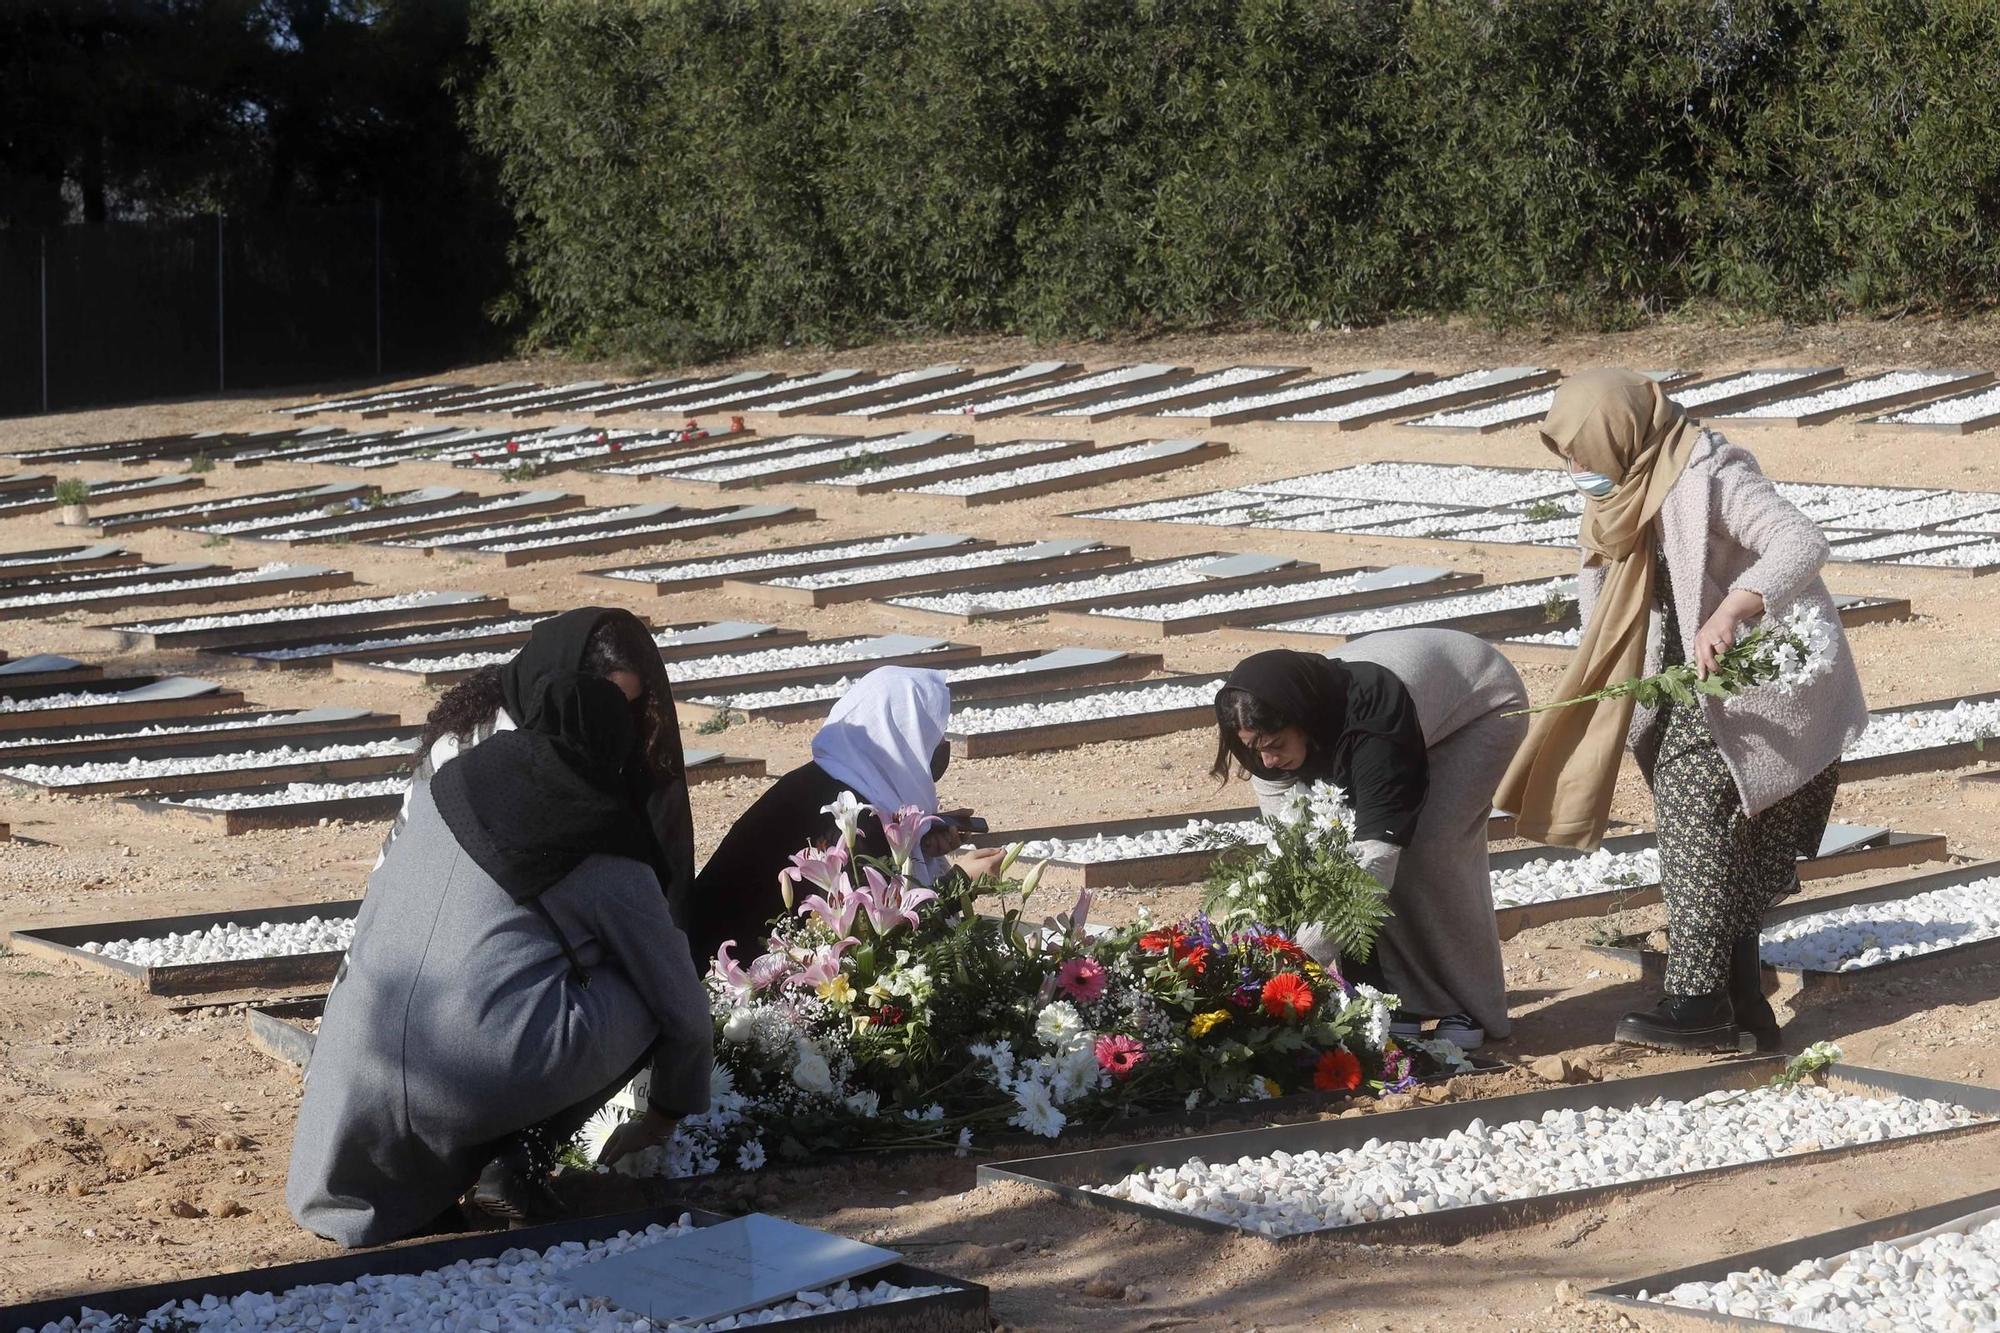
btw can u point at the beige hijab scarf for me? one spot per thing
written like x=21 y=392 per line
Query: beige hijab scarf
x=1620 y=424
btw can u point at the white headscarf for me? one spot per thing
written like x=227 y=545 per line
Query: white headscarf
x=879 y=737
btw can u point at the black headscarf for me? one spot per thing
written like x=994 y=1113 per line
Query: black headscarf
x=573 y=778
x=1361 y=728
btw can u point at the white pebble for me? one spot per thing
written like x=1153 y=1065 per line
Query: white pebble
x=1850 y=939
x=1117 y=701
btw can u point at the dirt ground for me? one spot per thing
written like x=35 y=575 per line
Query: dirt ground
x=138 y=1143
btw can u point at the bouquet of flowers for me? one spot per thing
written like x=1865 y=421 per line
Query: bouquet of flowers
x=1785 y=651
x=850 y=1031
x=1303 y=875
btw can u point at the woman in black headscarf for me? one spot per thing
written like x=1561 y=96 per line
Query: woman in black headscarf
x=1412 y=726
x=515 y=962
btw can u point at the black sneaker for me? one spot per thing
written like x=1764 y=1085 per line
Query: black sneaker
x=511 y=1189
x=1461 y=1031
x=1752 y=1011
x=1687 y=1023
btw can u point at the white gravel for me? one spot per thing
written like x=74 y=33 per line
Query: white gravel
x=1729 y=386
x=239 y=576
x=1898 y=732
x=1290 y=1193
x=1555 y=638
x=1848 y=939
x=1455 y=485
x=997 y=453
x=765 y=391
x=1243 y=599
x=1897 y=544
x=1528 y=532
x=1269 y=510
x=1550 y=879
x=1948 y=1280
x=223 y=504
x=891 y=446
x=894 y=381
x=735 y=381
x=1525 y=407
x=628 y=530
x=829 y=653
x=1220 y=379
x=920 y=402
x=230 y=943
x=292 y=793
x=1291 y=393
x=1416 y=395
x=1948 y=412
x=378 y=519
x=985 y=557
x=409 y=639
x=816 y=693
x=1924 y=511
x=472 y=661
x=1042 y=393
x=1113 y=701
x=1855 y=394
x=1098 y=848
x=277 y=615
x=534 y=527
x=70 y=699
x=1153 y=510
x=1829 y=502
x=681 y=465
x=715 y=566
x=1956 y=557
x=282 y=756
x=1081 y=465
x=66 y=554
x=1430 y=609
x=1446 y=524
x=158 y=729
x=1173 y=573
x=519 y=1290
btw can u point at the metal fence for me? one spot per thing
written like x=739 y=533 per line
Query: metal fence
x=127 y=311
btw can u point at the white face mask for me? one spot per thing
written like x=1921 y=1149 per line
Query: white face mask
x=1593 y=484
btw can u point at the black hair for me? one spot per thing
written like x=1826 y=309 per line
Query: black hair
x=618 y=644
x=1236 y=709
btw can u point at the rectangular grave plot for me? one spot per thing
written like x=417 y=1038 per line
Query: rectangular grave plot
x=399 y=666
x=1182 y=453
x=969 y=462
x=16 y=584
x=746 y=518
x=666 y=400
x=101 y=492
x=426 y=608
x=415 y=393
x=13 y=482
x=1262 y=403
x=1959 y=414
x=946 y=655
x=26 y=673
x=336 y=770
x=455 y=636
x=961 y=1308
x=1112 y=670
x=1065 y=735
x=1268 y=570
x=1420 y=400
x=552 y=399
x=97 y=558
x=360 y=804
x=1871 y=393
x=812 y=557
x=1651 y=964
x=382 y=528
x=153 y=708
x=1929 y=759
x=293 y=970
x=1440 y=583
x=814 y=463
x=1747 y=388
x=227 y=509
x=849 y=399
x=1651 y=1313
x=129 y=740
x=590 y=456
x=721 y=767
x=588 y=401
x=308 y=579
x=982 y=385
x=1089 y=384
x=1189 y=390
x=1069 y=1174
x=1515 y=410
x=1081 y=556
x=1885 y=850
x=1507 y=620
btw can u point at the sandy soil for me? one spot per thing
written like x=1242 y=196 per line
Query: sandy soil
x=139 y=1143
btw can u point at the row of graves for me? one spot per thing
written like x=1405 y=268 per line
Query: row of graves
x=185 y=749
x=1478 y=400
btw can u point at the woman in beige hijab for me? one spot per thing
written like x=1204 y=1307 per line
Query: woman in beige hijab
x=1685 y=542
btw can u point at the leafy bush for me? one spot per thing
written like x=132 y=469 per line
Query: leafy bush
x=72 y=491
x=695 y=176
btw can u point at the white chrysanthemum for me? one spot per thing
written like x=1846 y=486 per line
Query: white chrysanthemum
x=597 y=1131
x=1038 y=1113
x=1076 y=1071
x=1799 y=650
x=750 y=1157
x=865 y=1104
x=1059 y=1026
x=1328 y=806
x=1375 y=1030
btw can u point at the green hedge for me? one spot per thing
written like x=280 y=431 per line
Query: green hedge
x=695 y=176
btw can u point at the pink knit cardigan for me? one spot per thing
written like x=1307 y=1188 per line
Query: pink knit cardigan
x=1725 y=527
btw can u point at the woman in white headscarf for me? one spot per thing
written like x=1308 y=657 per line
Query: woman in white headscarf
x=884 y=741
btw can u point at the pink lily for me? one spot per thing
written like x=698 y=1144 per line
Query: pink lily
x=731 y=971
x=825 y=871
x=904 y=829
x=768 y=970
x=837 y=911
x=889 y=901
x=1070 y=924
x=824 y=965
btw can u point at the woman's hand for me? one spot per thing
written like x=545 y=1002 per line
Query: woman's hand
x=648 y=1131
x=1719 y=633
x=980 y=861
x=944 y=839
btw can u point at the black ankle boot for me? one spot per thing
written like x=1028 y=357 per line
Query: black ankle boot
x=1746 y=994
x=516 y=1190
x=1686 y=1023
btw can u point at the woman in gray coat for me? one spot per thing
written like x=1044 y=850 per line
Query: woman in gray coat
x=515 y=962
x=1685 y=542
x=1414 y=726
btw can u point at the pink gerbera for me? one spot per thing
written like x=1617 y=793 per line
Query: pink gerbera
x=1119 y=1055
x=1081 y=979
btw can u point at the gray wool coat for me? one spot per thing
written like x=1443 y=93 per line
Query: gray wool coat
x=1724 y=527
x=458 y=1024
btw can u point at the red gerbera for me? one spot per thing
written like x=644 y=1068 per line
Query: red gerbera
x=1283 y=947
x=1119 y=1055
x=1288 y=996
x=887 y=1016
x=1160 y=941
x=1196 y=958
x=1337 y=1071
